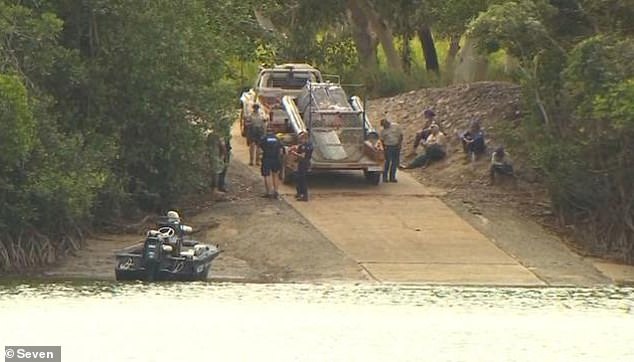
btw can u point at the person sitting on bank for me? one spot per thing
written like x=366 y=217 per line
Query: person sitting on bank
x=435 y=149
x=422 y=135
x=472 y=140
x=501 y=165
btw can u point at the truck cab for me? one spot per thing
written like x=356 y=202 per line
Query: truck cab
x=270 y=86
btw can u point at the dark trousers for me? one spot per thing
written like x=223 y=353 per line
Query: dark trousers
x=432 y=153
x=300 y=182
x=477 y=146
x=222 y=186
x=502 y=169
x=392 y=159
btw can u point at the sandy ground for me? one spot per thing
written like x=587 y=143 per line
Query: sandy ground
x=262 y=241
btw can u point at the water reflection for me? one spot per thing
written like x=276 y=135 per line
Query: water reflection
x=101 y=321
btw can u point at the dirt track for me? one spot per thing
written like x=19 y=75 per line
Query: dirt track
x=262 y=241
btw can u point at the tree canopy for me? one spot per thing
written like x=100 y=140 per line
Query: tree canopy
x=103 y=103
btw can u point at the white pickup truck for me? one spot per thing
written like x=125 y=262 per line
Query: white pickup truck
x=294 y=98
x=271 y=85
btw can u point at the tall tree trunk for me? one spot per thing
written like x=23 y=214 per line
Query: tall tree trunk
x=454 y=47
x=364 y=40
x=450 y=62
x=383 y=32
x=406 y=53
x=429 y=49
x=472 y=66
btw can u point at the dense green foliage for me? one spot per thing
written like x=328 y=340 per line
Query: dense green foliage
x=578 y=81
x=103 y=103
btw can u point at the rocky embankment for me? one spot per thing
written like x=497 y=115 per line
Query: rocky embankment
x=498 y=107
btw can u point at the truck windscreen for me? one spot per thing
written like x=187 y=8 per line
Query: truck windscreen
x=295 y=80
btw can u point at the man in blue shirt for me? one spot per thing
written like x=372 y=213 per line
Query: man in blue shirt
x=272 y=150
x=304 y=153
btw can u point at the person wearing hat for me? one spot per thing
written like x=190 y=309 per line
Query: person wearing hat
x=392 y=139
x=174 y=230
x=435 y=149
x=303 y=151
x=256 y=127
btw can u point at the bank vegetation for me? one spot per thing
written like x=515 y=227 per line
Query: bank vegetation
x=103 y=103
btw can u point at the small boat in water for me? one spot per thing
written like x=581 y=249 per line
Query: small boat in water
x=166 y=254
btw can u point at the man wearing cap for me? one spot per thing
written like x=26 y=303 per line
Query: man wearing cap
x=256 y=127
x=392 y=139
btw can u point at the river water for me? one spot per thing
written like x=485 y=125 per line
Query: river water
x=102 y=321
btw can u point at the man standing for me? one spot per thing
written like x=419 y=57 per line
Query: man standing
x=225 y=154
x=392 y=139
x=304 y=152
x=272 y=150
x=216 y=150
x=256 y=125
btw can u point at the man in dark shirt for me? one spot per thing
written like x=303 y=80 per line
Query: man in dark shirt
x=473 y=140
x=304 y=152
x=272 y=150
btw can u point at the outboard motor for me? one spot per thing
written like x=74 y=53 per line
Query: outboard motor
x=152 y=253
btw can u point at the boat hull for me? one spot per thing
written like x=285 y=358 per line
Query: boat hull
x=131 y=265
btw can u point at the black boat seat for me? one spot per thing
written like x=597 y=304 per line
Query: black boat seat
x=190 y=242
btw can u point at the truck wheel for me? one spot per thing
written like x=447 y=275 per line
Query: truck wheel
x=373 y=177
x=286 y=175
